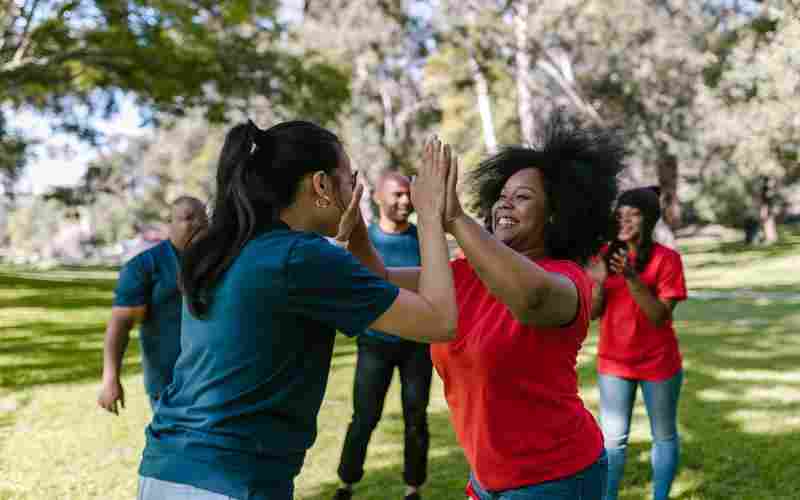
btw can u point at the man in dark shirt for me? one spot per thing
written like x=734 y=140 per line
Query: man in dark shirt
x=395 y=238
x=147 y=292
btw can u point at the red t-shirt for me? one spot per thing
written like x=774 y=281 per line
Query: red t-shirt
x=513 y=389
x=631 y=346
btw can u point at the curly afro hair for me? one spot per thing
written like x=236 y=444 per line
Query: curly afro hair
x=580 y=166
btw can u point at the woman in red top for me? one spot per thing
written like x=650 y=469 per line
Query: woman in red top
x=638 y=345
x=524 y=304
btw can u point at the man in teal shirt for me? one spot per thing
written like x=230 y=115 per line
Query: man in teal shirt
x=379 y=353
x=147 y=292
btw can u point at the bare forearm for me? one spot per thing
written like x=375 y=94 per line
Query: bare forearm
x=509 y=276
x=116 y=342
x=655 y=310
x=362 y=249
x=435 y=278
x=598 y=300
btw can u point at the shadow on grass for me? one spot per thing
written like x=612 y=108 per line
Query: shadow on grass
x=57 y=337
x=738 y=408
x=738 y=415
x=447 y=467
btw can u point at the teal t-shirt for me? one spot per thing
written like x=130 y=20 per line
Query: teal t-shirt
x=242 y=408
x=150 y=279
x=397 y=250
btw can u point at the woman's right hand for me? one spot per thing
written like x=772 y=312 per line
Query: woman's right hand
x=429 y=188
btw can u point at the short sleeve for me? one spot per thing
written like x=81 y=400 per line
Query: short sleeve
x=671 y=283
x=329 y=285
x=134 y=284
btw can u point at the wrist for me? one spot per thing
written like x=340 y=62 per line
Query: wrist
x=451 y=222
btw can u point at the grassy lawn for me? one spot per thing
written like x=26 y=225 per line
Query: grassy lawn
x=739 y=415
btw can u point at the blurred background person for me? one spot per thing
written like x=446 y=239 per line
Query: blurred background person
x=147 y=293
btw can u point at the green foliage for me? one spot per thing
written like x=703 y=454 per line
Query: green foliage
x=72 y=60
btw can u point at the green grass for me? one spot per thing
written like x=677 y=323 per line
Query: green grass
x=739 y=415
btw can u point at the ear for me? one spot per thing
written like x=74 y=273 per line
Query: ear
x=321 y=185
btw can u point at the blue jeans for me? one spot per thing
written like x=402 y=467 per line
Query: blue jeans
x=587 y=484
x=617 y=396
x=151 y=488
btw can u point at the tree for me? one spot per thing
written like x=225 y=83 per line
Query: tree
x=389 y=113
x=750 y=107
x=73 y=59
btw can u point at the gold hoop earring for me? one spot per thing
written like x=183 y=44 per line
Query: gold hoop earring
x=321 y=203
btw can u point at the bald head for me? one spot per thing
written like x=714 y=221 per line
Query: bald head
x=188 y=216
x=393 y=197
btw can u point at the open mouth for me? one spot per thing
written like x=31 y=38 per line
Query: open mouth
x=505 y=222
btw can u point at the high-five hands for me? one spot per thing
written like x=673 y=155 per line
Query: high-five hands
x=436 y=177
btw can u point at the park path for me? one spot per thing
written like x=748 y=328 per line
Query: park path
x=743 y=293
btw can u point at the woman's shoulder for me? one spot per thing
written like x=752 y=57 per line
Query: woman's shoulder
x=663 y=252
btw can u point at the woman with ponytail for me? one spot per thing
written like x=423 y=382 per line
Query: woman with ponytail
x=638 y=283
x=264 y=294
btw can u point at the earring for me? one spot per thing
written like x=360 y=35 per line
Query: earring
x=321 y=203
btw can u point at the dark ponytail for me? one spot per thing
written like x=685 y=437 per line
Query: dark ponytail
x=258 y=174
x=647 y=200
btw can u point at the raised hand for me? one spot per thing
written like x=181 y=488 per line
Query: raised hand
x=453 y=209
x=351 y=217
x=429 y=189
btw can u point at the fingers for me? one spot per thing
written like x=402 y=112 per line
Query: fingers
x=357 y=193
x=452 y=177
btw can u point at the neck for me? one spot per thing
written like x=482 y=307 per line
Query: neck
x=298 y=218
x=633 y=245
x=536 y=252
x=178 y=247
x=387 y=225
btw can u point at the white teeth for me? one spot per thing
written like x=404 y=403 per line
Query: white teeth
x=506 y=221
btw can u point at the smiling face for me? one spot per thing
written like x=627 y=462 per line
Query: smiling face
x=520 y=213
x=630 y=221
x=394 y=199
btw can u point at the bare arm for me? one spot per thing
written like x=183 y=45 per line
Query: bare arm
x=598 y=272
x=657 y=310
x=536 y=297
x=407 y=278
x=430 y=315
x=117 y=336
x=353 y=235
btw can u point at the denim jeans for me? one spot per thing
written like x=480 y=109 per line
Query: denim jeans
x=617 y=396
x=151 y=488
x=588 y=484
x=374 y=368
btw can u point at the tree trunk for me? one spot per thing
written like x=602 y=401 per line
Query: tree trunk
x=522 y=59
x=668 y=182
x=484 y=105
x=766 y=214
